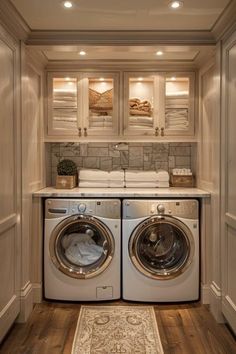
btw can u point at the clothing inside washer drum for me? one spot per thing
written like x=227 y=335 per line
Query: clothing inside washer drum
x=81 y=249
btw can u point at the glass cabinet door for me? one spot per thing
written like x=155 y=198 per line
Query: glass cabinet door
x=179 y=109
x=64 y=104
x=141 y=103
x=100 y=104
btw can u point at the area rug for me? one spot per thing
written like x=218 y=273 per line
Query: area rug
x=117 y=329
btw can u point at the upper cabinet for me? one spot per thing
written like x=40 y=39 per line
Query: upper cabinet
x=159 y=104
x=82 y=105
x=148 y=105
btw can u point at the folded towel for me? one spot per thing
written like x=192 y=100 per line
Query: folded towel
x=163 y=176
x=163 y=184
x=142 y=176
x=94 y=184
x=117 y=175
x=136 y=184
x=116 y=184
x=93 y=175
x=101 y=184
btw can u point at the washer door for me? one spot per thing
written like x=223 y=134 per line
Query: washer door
x=161 y=247
x=81 y=246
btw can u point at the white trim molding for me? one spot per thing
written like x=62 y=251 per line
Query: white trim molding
x=215 y=302
x=26 y=302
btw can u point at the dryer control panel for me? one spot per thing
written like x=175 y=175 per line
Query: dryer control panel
x=182 y=208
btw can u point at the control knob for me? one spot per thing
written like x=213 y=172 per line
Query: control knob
x=160 y=208
x=81 y=208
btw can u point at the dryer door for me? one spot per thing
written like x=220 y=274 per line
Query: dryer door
x=161 y=247
x=81 y=246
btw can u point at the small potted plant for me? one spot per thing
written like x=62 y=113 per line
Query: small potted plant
x=66 y=174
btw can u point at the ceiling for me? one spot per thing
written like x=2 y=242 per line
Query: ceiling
x=120 y=15
x=49 y=19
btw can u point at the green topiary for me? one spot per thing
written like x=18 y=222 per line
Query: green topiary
x=66 y=168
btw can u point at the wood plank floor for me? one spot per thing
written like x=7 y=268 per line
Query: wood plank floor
x=184 y=329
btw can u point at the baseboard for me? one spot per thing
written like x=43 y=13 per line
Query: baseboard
x=205 y=294
x=216 y=303
x=37 y=292
x=26 y=302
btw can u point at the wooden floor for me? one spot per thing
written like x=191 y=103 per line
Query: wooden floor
x=184 y=328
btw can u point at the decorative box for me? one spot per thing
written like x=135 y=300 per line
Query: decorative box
x=66 y=182
x=181 y=180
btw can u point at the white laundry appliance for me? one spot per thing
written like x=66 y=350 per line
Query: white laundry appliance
x=160 y=250
x=82 y=245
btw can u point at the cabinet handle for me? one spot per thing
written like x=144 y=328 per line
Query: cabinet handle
x=162 y=132
x=79 y=132
x=85 y=132
x=156 y=131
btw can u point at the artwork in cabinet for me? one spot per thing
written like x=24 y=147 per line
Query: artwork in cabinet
x=141 y=97
x=64 y=104
x=100 y=102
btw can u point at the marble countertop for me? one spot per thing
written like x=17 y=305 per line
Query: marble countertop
x=122 y=192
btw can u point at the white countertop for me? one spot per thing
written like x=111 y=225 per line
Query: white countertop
x=122 y=192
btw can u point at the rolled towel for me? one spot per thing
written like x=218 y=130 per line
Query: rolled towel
x=93 y=175
x=142 y=176
x=162 y=176
x=93 y=184
x=136 y=184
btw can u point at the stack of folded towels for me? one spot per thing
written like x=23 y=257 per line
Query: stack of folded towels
x=147 y=179
x=103 y=179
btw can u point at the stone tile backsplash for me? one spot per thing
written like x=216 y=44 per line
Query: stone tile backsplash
x=115 y=156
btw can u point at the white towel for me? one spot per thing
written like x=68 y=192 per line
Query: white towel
x=116 y=184
x=94 y=184
x=117 y=175
x=163 y=184
x=142 y=176
x=162 y=176
x=136 y=184
x=93 y=175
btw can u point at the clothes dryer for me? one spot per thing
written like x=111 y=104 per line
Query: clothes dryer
x=82 y=249
x=160 y=250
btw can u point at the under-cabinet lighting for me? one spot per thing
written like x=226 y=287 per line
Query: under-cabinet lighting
x=67 y=4
x=140 y=79
x=159 y=53
x=101 y=79
x=82 y=52
x=175 y=5
x=173 y=78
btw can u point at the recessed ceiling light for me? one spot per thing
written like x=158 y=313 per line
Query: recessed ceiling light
x=82 y=52
x=159 y=52
x=175 y=4
x=67 y=4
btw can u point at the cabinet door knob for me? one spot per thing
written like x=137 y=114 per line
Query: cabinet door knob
x=85 y=132
x=162 y=132
x=79 y=132
x=156 y=131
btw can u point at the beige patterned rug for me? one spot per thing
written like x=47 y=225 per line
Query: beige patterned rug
x=117 y=329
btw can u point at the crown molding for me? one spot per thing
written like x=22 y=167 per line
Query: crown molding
x=12 y=21
x=225 y=22
x=120 y=37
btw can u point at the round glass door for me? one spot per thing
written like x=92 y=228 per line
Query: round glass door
x=161 y=247
x=81 y=246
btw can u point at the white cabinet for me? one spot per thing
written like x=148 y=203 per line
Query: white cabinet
x=83 y=104
x=159 y=104
x=93 y=105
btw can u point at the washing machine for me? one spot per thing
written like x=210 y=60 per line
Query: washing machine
x=82 y=249
x=160 y=250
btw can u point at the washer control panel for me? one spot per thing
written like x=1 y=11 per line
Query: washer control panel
x=107 y=208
